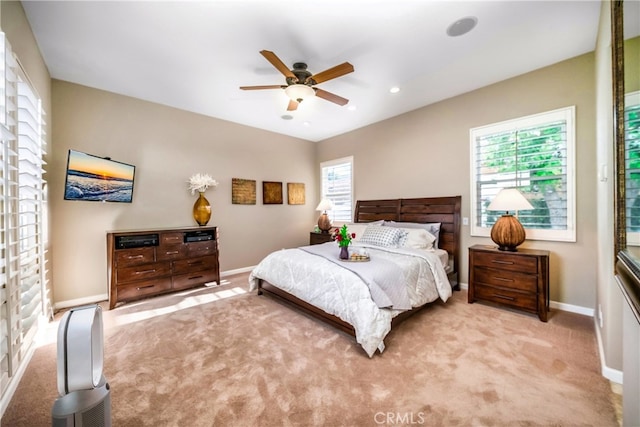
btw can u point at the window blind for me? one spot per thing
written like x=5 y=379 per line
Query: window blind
x=23 y=275
x=337 y=186
x=632 y=166
x=534 y=155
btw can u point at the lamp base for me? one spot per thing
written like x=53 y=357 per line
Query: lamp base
x=324 y=223
x=508 y=233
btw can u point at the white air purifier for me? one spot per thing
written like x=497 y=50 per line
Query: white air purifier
x=85 y=398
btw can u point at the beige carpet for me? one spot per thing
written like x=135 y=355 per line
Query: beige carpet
x=221 y=356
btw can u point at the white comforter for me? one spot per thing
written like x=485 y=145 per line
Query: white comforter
x=342 y=293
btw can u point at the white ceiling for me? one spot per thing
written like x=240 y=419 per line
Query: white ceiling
x=195 y=55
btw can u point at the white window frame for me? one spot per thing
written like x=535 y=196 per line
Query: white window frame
x=567 y=114
x=324 y=194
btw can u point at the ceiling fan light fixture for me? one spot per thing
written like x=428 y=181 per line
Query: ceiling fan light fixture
x=299 y=92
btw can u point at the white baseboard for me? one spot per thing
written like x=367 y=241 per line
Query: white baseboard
x=572 y=308
x=607 y=372
x=237 y=271
x=79 y=301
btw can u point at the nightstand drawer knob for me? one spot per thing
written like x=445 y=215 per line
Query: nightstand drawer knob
x=504 y=297
x=496 y=261
x=503 y=279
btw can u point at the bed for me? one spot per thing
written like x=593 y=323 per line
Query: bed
x=301 y=278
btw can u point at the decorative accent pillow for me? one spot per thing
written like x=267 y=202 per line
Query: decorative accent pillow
x=417 y=238
x=360 y=227
x=383 y=236
x=431 y=227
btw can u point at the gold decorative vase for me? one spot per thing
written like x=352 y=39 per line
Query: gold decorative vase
x=202 y=210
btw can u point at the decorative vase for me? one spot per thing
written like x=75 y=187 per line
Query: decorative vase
x=202 y=210
x=344 y=252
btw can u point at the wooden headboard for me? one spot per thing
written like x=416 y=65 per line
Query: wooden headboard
x=445 y=210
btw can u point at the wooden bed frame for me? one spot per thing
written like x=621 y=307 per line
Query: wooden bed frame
x=445 y=210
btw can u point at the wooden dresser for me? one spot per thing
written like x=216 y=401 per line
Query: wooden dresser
x=516 y=279
x=144 y=263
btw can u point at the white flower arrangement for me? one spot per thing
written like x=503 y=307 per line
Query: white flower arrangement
x=200 y=182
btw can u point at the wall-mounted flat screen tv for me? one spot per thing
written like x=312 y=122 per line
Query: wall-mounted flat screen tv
x=98 y=179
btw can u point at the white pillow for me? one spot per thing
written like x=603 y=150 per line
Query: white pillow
x=360 y=227
x=383 y=236
x=417 y=238
x=431 y=227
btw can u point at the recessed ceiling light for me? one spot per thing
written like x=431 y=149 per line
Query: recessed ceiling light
x=394 y=89
x=462 y=26
x=307 y=123
x=286 y=117
x=352 y=108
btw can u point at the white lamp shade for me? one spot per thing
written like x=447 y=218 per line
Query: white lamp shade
x=509 y=199
x=298 y=92
x=325 y=205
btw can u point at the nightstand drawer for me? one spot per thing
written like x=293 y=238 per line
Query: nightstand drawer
x=506 y=261
x=504 y=296
x=512 y=280
x=319 y=238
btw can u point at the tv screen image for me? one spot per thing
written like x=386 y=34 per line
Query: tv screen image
x=98 y=179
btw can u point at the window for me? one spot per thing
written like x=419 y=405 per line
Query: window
x=536 y=155
x=632 y=166
x=22 y=210
x=337 y=186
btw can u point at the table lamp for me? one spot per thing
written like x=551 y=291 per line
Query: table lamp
x=324 y=223
x=507 y=232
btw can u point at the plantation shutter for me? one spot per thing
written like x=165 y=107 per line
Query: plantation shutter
x=531 y=154
x=22 y=206
x=632 y=165
x=337 y=186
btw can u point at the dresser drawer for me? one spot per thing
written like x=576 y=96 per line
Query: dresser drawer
x=506 y=261
x=506 y=279
x=143 y=272
x=127 y=257
x=171 y=238
x=194 y=264
x=146 y=287
x=517 y=299
x=202 y=248
x=190 y=280
x=169 y=252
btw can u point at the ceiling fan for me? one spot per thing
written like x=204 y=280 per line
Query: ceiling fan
x=300 y=82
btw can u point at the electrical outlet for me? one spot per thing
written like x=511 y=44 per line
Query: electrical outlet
x=465 y=221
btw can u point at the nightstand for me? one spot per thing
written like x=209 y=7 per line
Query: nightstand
x=516 y=279
x=318 y=238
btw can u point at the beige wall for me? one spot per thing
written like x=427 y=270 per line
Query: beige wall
x=167 y=146
x=426 y=153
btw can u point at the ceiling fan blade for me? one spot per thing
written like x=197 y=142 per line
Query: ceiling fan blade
x=332 y=73
x=332 y=97
x=293 y=105
x=276 y=62
x=262 y=87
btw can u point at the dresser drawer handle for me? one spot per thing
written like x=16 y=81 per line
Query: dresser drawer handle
x=171 y=252
x=503 y=279
x=196 y=277
x=504 y=297
x=496 y=261
x=146 y=271
x=196 y=262
x=135 y=256
x=139 y=288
